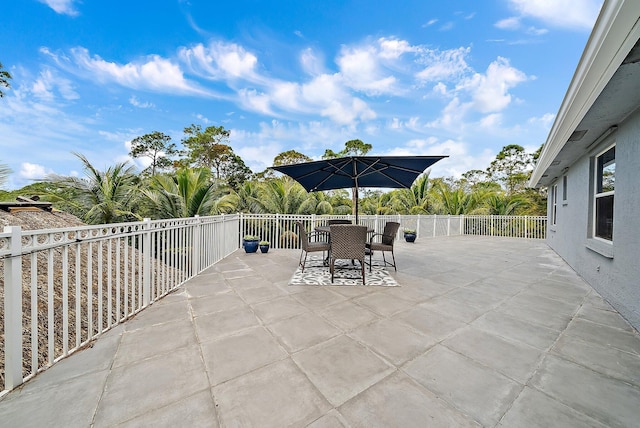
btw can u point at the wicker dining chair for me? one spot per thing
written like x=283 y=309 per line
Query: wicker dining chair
x=309 y=243
x=338 y=221
x=347 y=242
x=386 y=240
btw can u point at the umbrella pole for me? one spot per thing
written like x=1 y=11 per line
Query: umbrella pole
x=356 y=189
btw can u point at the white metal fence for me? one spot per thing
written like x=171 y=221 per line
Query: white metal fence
x=281 y=230
x=61 y=288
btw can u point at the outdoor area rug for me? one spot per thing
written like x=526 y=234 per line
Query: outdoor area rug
x=346 y=274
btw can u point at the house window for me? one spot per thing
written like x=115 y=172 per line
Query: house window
x=554 y=203
x=564 y=188
x=605 y=168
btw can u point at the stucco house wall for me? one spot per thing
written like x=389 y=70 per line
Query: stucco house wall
x=612 y=269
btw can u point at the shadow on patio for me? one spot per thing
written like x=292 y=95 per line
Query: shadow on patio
x=482 y=332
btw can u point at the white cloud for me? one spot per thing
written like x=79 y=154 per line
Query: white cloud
x=443 y=65
x=153 y=73
x=394 y=48
x=512 y=23
x=490 y=91
x=491 y=121
x=429 y=23
x=221 y=60
x=546 y=120
x=311 y=62
x=447 y=26
x=256 y=101
x=63 y=7
x=451 y=116
x=578 y=14
x=137 y=103
x=361 y=70
x=49 y=82
x=32 y=171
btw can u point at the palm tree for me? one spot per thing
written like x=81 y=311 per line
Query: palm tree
x=280 y=195
x=186 y=193
x=101 y=196
x=455 y=201
x=501 y=204
x=415 y=200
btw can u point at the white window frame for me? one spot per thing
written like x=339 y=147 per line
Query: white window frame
x=554 y=204
x=597 y=195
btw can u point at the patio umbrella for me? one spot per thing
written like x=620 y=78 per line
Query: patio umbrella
x=359 y=171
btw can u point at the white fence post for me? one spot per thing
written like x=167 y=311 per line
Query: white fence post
x=461 y=224
x=196 y=244
x=13 y=310
x=435 y=220
x=448 y=224
x=146 y=262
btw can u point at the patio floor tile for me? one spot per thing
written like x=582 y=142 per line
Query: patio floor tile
x=515 y=360
x=224 y=323
x=398 y=401
x=481 y=393
x=536 y=410
x=392 y=340
x=277 y=309
x=383 y=304
x=233 y=356
x=348 y=315
x=604 y=359
x=604 y=335
x=504 y=325
x=341 y=368
x=138 y=388
x=302 y=331
x=611 y=401
x=196 y=410
x=433 y=325
x=216 y=303
x=277 y=395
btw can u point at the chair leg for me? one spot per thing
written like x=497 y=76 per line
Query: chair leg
x=304 y=263
x=370 y=254
x=362 y=267
x=394 y=261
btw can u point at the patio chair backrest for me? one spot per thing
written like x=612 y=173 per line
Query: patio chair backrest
x=304 y=238
x=338 y=221
x=389 y=233
x=348 y=241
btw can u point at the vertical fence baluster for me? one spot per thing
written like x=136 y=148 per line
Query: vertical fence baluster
x=65 y=299
x=50 y=322
x=34 y=313
x=13 y=310
x=100 y=293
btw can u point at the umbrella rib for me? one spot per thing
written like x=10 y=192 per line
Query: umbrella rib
x=336 y=170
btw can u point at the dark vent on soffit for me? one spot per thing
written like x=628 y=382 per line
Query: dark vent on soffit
x=577 y=135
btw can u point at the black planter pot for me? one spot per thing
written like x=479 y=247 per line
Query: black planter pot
x=410 y=237
x=264 y=248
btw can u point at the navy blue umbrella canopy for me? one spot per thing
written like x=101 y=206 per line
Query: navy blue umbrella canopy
x=359 y=171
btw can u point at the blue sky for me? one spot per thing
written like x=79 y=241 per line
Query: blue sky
x=461 y=78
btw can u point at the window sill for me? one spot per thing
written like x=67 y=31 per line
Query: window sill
x=603 y=248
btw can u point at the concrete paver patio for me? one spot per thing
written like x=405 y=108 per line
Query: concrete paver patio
x=481 y=332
